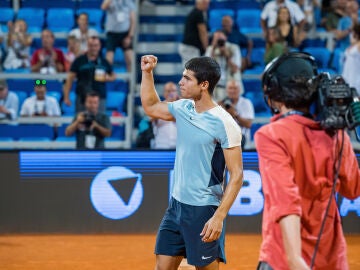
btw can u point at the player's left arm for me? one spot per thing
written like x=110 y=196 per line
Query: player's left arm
x=233 y=159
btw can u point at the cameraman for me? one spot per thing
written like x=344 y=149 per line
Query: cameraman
x=91 y=126
x=240 y=108
x=298 y=162
x=228 y=57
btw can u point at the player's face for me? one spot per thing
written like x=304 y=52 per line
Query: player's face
x=189 y=86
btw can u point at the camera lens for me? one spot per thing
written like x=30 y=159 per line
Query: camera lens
x=221 y=42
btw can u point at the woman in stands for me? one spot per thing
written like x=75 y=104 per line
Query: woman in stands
x=275 y=45
x=292 y=34
x=352 y=59
x=19 y=42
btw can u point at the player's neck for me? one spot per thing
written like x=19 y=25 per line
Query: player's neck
x=204 y=104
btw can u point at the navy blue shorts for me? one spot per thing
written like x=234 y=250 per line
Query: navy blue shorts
x=179 y=234
x=114 y=40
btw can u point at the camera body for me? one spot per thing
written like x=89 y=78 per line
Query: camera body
x=337 y=104
x=88 y=119
x=221 y=42
x=227 y=103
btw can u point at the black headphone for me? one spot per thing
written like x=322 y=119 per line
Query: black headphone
x=269 y=78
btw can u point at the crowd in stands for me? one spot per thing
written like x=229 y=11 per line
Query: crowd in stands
x=89 y=52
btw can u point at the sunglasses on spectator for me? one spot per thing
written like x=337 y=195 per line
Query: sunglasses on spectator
x=40 y=82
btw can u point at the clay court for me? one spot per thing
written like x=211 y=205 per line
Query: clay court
x=125 y=252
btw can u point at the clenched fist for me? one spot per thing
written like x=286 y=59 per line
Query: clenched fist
x=148 y=63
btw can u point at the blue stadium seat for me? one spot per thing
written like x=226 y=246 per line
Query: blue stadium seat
x=117 y=86
x=252 y=85
x=254 y=128
x=49 y=3
x=34 y=17
x=89 y=3
x=26 y=130
x=248 y=20
x=215 y=17
x=257 y=57
x=61 y=130
x=56 y=95
x=69 y=110
x=32 y=139
x=115 y=101
x=26 y=85
x=119 y=57
x=95 y=17
x=7 y=14
x=54 y=85
x=60 y=19
x=336 y=60
x=22 y=95
x=66 y=139
x=118 y=132
x=321 y=55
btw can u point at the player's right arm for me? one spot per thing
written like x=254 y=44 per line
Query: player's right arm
x=150 y=100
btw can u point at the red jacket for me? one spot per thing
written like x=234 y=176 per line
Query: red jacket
x=296 y=161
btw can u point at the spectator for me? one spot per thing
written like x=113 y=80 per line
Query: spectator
x=40 y=104
x=165 y=131
x=195 y=39
x=83 y=32
x=309 y=7
x=336 y=12
x=73 y=51
x=275 y=45
x=240 y=108
x=91 y=126
x=352 y=60
x=48 y=60
x=269 y=14
x=18 y=45
x=9 y=102
x=228 y=57
x=92 y=71
x=346 y=23
x=120 y=28
x=291 y=34
x=235 y=36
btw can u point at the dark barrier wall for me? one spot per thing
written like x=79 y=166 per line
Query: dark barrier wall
x=112 y=192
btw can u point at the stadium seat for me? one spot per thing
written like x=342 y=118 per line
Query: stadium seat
x=117 y=86
x=22 y=95
x=34 y=18
x=56 y=95
x=115 y=101
x=69 y=110
x=118 y=132
x=254 y=128
x=7 y=14
x=321 y=55
x=95 y=17
x=252 y=85
x=26 y=130
x=248 y=20
x=60 y=19
x=32 y=139
x=336 y=60
x=54 y=85
x=26 y=85
x=257 y=57
x=215 y=17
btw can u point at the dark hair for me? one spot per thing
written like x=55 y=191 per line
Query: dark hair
x=205 y=69
x=92 y=94
x=286 y=79
x=356 y=30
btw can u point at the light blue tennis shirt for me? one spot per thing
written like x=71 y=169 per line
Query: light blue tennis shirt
x=199 y=161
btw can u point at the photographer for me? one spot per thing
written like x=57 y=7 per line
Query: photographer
x=303 y=165
x=91 y=126
x=240 y=108
x=228 y=57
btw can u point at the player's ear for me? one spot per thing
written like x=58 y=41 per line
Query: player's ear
x=204 y=85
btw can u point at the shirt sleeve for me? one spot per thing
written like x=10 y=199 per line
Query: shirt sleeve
x=13 y=106
x=278 y=177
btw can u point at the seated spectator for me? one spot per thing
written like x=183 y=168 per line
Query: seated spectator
x=40 y=104
x=73 y=51
x=352 y=60
x=346 y=23
x=269 y=14
x=275 y=45
x=239 y=107
x=229 y=58
x=165 y=131
x=9 y=102
x=91 y=126
x=48 y=60
x=235 y=36
x=92 y=71
x=18 y=45
x=291 y=34
x=333 y=16
x=83 y=32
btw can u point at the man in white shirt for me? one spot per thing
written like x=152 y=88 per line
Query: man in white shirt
x=40 y=104
x=9 y=102
x=239 y=107
x=83 y=32
x=165 y=131
x=270 y=10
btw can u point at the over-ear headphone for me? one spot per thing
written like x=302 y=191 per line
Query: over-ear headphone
x=269 y=78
